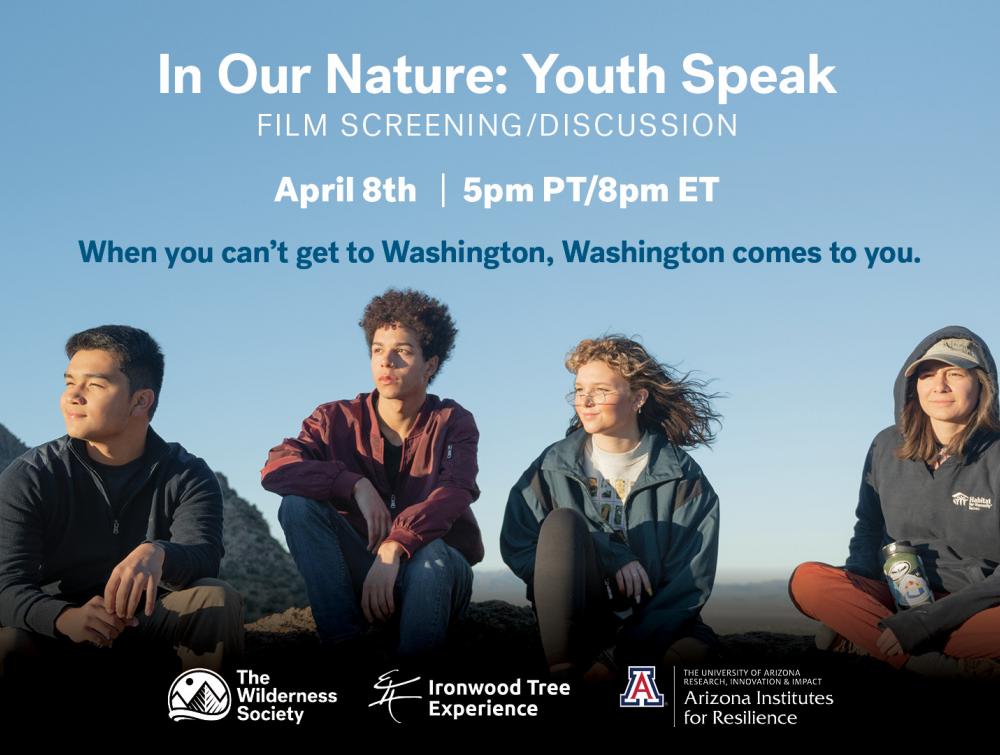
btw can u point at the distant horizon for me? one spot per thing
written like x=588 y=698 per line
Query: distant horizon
x=721 y=578
x=728 y=575
x=742 y=599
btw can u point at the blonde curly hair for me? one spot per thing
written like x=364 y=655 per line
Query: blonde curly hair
x=677 y=405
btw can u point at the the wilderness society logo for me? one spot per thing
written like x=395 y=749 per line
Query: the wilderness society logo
x=203 y=695
x=971 y=502
x=199 y=695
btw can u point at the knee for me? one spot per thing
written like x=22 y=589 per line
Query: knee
x=432 y=556
x=438 y=558
x=438 y=561
x=563 y=536
x=808 y=580
x=220 y=595
x=296 y=512
x=562 y=523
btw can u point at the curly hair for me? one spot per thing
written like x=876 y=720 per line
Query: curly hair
x=677 y=405
x=423 y=314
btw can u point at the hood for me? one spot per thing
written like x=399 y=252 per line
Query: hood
x=952 y=331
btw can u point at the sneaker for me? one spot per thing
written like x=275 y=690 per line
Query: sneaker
x=934 y=665
x=979 y=668
x=604 y=669
x=829 y=640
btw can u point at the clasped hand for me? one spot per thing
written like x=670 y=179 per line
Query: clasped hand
x=103 y=618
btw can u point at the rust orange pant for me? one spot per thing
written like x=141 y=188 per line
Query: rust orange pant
x=853 y=605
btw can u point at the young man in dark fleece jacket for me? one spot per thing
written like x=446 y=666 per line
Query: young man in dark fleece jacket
x=127 y=527
x=931 y=480
x=376 y=490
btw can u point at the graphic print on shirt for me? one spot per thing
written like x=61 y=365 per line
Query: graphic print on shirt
x=608 y=497
x=610 y=478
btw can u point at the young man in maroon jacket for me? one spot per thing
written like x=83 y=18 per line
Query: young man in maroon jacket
x=376 y=490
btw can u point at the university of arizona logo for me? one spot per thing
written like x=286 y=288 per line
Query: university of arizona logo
x=199 y=694
x=641 y=691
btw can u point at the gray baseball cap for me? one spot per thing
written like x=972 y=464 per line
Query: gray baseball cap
x=960 y=352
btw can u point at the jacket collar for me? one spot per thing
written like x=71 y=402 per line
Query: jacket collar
x=156 y=448
x=426 y=409
x=566 y=457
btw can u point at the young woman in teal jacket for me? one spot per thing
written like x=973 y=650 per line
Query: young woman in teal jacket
x=615 y=529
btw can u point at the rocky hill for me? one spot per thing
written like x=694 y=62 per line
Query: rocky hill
x=255 y=562
x=10 y=447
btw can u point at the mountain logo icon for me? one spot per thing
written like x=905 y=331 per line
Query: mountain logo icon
x=199 y=695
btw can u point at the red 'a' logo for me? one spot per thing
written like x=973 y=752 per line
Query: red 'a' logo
x=641 y=691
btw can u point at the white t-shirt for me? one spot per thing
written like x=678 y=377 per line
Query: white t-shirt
x=610 y=478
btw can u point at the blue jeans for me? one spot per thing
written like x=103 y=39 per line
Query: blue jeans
x=432 y=588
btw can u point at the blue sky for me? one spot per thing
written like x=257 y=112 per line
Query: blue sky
x=904 y=154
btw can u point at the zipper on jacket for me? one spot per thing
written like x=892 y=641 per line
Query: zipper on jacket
x=586 y=492
x=628 y=500
x=625 y=504
x=624 y=529
x=399 y=473
x=107 y=499
x=100 y=486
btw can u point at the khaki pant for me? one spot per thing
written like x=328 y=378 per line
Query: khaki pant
x=202 y=624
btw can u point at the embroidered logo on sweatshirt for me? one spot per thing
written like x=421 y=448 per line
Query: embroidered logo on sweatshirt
x=971 y=502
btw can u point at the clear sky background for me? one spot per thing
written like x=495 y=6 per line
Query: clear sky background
x=905 y=154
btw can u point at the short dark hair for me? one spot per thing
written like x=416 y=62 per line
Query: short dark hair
x=423 y=314
x=139 y=356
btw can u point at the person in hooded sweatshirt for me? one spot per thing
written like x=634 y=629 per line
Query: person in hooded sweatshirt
x=931 y=480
